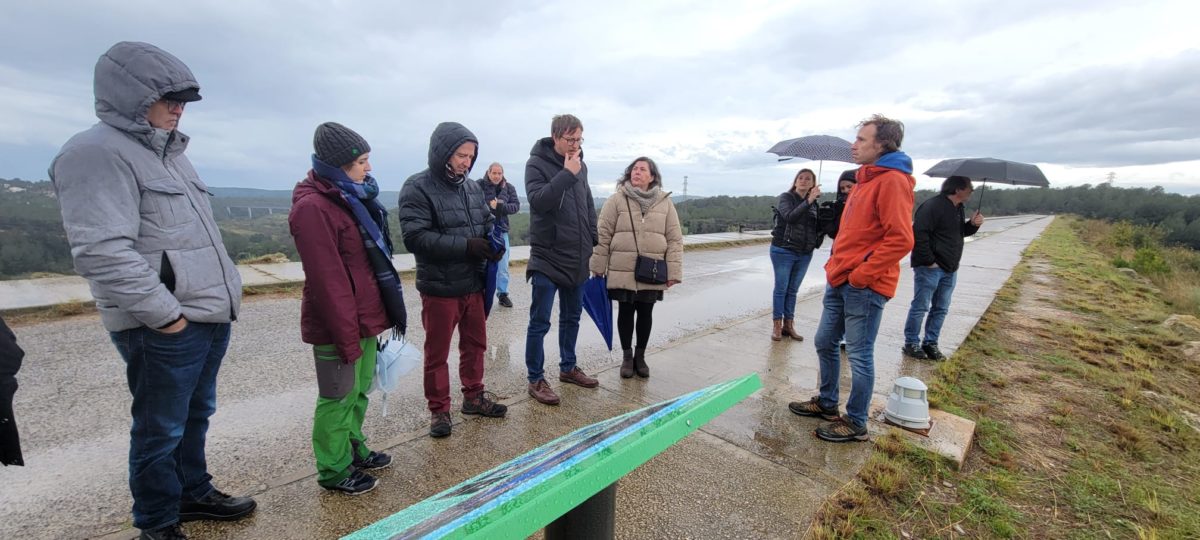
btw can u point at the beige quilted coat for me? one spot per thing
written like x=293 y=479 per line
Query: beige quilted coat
x=659 y=236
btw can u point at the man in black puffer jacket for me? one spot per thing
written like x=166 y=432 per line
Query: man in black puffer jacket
x=562 y=231
x=446 y=224
x=939 y=226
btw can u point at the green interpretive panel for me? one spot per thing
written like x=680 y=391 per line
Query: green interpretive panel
x=522 y=496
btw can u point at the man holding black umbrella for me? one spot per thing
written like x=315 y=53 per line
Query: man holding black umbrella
x=938 y=231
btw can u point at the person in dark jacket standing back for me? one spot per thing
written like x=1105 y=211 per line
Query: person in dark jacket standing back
x=337 y=223
x=142 y=233
x=10 y=362
x=939 y=227
x=795 y=235
x=446 y=224
x=562 y=232
x=501 y=197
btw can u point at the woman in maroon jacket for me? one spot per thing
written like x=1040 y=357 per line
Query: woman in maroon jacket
x=337 y=224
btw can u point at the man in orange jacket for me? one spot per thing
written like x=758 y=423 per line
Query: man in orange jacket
x=875 y=233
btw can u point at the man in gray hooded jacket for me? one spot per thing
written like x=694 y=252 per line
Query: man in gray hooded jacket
x=142 y=233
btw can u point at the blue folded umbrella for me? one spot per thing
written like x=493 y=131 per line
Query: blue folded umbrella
x=493 y=267
x=597 y=306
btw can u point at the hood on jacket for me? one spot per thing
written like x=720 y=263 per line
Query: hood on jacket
x=130 y=77
x=544 y=148
x=891 y=161
x=314 y=185
x=446 y=138
x=896 y=160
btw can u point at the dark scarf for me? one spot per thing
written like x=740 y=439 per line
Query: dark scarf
x=371 y=218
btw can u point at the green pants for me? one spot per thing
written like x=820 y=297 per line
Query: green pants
x=342 y=405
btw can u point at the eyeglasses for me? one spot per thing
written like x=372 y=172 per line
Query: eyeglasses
x=572 y=140
x=171 y=104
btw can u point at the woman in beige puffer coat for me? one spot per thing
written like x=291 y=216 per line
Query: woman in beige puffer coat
x=638 y=218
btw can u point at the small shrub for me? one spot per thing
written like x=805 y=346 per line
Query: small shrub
x=1150 y=261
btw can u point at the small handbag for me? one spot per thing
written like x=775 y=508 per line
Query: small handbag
x=645 y=269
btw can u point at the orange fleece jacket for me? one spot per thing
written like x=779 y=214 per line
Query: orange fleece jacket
x=875 y=233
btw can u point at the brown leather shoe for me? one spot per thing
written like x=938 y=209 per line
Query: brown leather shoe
x=577 y=376
x=777 y=330
x=790 y=330
x=627 y=364
x=542 y=392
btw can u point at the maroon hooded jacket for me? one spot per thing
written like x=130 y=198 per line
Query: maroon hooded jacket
x=341 y=303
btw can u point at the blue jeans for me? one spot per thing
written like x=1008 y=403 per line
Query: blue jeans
x=931 y=287
x=856 y=314
x=790 y=268
x=173 y=379
x=570 y=305
x=502 y=269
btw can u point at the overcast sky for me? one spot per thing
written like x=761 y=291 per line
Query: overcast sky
x=1081 y=88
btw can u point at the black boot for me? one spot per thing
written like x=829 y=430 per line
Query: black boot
x=639 y=363
x=627 y=364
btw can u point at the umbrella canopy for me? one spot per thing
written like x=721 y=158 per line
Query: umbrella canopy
x=493 y=267
x=597 y=306
x=991 y=170
x=814 y=147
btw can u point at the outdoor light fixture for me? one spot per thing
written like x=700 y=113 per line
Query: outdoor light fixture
x=908 y=405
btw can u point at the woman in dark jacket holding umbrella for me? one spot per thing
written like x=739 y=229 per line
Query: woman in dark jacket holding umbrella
x=342 y=237
x=795 y=235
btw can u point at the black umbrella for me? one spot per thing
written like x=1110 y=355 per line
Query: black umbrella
x=815 y=147
x=990 y=170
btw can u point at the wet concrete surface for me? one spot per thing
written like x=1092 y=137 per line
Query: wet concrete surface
x=757 y=462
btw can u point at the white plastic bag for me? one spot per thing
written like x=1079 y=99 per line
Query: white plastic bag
x=397 y=356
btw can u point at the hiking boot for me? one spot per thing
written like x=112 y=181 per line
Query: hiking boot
x=170 y=532
x=639 y=363
x=374 y=460
x=911 y=350
x=542 y=392
x=932 y=352
x=439 y=425
x=484 y=405
x=777 y=330
x=504 y=301
x=813 y=407
x=627 y=364
x=216 y=506
x=790 y=330
x=578 y=377
x=357 y=483
x=842 y=430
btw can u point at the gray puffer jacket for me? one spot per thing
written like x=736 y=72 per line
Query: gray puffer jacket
x=438 y=214
x=137 y=215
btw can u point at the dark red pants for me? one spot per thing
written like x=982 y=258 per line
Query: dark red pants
x=440 y=316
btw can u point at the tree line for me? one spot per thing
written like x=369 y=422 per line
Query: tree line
x=32 y=240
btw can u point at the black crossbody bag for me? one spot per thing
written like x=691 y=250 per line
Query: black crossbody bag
x=645 y=270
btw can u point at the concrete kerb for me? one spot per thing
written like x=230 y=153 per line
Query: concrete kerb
x=69 y=295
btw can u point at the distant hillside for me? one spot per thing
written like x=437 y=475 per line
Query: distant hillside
x=253 y=222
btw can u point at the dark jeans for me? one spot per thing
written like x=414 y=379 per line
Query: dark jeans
x=173 y=379
x=932 y=288
x=570 y=305
x=855 y=313
x=790 y=268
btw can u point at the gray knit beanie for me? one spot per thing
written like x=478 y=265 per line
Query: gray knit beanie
x=338 y=145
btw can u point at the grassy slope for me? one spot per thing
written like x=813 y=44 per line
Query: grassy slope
x=1082 y=399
